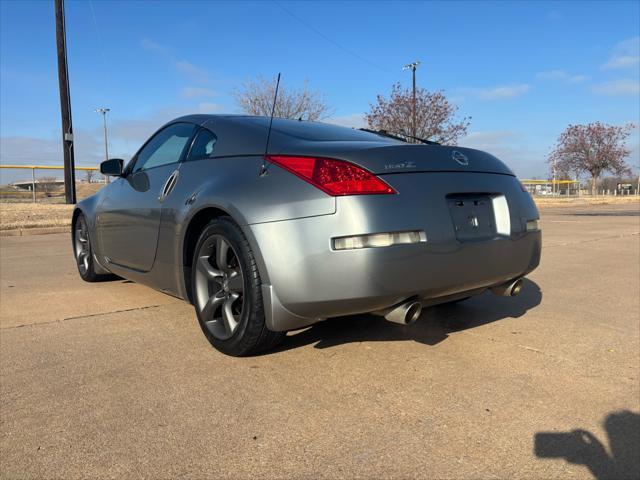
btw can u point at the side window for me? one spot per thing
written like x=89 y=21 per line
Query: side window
x=203 y=145
x=165 y=147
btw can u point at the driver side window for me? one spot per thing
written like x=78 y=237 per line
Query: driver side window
x=165 y=148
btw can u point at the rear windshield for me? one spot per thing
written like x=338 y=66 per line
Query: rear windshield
x=321 y=132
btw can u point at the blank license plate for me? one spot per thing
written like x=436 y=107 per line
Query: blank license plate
x=472 y=217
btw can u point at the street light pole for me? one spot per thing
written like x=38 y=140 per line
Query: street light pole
x=412 y=67
x=104 y=111
x=553 y=181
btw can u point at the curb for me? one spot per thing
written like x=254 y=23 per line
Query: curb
x=23 y=232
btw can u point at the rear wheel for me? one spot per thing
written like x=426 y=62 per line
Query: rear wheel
x=227 y=291
x=83 y=252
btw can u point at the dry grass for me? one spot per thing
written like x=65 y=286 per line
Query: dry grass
x=83 y=190
x=34 y=215
x=546 y=202
x=17 y=213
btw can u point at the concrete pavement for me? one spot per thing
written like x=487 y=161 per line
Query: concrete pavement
x=116 y=380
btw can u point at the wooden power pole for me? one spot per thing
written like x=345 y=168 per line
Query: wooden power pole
x=65 y=106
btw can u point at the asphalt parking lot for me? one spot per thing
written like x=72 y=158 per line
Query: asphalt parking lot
x=116 y=380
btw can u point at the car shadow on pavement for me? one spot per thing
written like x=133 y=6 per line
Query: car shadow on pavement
x=434 y=325
x=580 y=447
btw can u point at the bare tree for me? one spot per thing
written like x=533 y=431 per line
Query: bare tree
x=90 y=174
x=594 y=148
x=435 y=115
x=256 y=98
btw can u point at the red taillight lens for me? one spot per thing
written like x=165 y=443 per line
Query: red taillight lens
x=335 y=177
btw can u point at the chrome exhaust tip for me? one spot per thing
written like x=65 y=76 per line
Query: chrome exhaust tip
x=405 y=313
x=509 y=289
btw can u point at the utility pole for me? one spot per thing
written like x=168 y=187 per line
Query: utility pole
x=412 y=67
x=65 y=106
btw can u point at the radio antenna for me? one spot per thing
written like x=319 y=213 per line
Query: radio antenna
x=263 y=170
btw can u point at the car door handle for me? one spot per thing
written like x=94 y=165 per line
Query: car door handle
x=168 y=185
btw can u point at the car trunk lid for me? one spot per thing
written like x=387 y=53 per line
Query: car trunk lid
x=385 y=159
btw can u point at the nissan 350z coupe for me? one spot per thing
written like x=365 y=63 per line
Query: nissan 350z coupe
x=331 y=222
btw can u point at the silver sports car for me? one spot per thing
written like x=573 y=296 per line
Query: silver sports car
x=265 y=235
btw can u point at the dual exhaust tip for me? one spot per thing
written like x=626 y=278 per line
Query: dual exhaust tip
x=408 y=312
x=405 y=313
x=509 y=289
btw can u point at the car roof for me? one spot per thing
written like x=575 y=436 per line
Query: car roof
x=241 y=134
x=202 y=118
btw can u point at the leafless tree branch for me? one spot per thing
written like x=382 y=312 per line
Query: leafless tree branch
x=435 y=115
x=256 y=98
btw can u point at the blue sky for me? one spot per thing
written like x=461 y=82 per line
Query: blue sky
x=522 y=70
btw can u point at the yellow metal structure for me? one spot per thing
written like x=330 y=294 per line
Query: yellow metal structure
x=45 y=167
x=33 y=169
x=548 y=182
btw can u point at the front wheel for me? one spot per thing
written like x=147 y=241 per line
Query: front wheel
x=227 y=291
x=84 y=253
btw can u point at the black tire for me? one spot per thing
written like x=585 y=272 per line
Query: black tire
x=213 y=291
x=83 y=252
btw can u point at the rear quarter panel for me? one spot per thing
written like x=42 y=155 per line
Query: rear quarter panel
x=233 y=185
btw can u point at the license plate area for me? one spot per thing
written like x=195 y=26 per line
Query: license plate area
x=472 y=216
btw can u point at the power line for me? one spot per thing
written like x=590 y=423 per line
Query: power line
x=106 y=76
x=95 y=24
x=333 y=42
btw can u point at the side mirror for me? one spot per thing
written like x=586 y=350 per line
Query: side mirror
x=112 y=167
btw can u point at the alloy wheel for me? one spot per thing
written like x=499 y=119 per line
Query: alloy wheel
x=83 y=250
x=219 y=287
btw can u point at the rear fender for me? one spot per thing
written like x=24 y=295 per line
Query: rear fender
x=233 y=187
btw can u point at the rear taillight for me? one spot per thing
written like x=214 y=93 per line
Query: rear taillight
x=334 y=177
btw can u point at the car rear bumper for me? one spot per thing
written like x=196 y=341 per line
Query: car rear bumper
x=305 y=280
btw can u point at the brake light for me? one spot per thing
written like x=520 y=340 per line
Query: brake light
x=334 y=177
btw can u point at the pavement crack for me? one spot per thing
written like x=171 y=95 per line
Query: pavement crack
x=78 y=317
